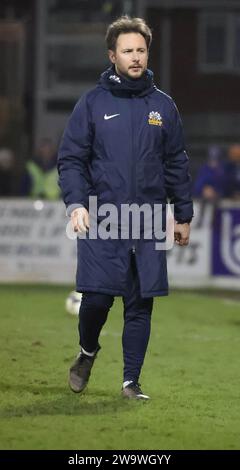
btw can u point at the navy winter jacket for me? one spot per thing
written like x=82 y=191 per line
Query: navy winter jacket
x=124 y=144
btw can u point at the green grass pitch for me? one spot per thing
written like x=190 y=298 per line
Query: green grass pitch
x=191 y=372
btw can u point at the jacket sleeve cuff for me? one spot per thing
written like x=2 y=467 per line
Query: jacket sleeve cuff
x=184 y=221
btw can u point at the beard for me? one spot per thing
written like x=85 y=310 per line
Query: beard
x=127 y=73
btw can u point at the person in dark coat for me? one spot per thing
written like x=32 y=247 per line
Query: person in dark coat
x=210 y=183
x=124 y=146
x=7 y=180
x=232 y=171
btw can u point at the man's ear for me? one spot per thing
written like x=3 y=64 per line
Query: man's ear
x=112 y=56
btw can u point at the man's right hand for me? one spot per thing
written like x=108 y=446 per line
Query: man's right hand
x=80 y=220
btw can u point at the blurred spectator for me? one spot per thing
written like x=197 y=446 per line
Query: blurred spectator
x=6 y=171
x=211 y=181
x=232 y=169
x=41 y=178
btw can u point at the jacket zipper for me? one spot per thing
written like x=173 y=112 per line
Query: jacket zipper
x=133 y=166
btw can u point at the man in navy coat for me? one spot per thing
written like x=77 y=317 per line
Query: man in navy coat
x=124 y=146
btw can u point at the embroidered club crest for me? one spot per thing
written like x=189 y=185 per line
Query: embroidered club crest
x=154 y=118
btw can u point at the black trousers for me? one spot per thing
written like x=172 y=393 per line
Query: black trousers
x=137 y=322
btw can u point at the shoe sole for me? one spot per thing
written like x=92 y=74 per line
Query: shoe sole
x=144 y=398
x=75 y=389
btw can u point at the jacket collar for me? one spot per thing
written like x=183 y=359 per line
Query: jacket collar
x=122 y=86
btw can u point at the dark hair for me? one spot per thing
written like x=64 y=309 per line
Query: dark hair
x=124 y=25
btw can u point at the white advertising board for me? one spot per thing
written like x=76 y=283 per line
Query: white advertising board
x=35 y=248
x=33 y=242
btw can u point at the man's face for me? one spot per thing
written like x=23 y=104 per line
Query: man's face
x=131 y=55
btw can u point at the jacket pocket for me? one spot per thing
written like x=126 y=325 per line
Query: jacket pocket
x=150 y=182
x=109 y=182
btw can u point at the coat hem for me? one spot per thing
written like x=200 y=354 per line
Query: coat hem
x=155 y=293
x=102 y=290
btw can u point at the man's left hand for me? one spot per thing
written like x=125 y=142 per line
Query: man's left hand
x=181 y=233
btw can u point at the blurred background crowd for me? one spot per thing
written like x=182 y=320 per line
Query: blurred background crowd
x=52 y=51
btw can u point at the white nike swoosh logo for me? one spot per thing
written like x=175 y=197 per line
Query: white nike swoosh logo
x=110 y=117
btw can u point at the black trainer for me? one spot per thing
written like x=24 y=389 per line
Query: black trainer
x=133 y=390
x=80 y=371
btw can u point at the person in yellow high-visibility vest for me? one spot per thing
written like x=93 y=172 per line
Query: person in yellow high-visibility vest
x=41 y=177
